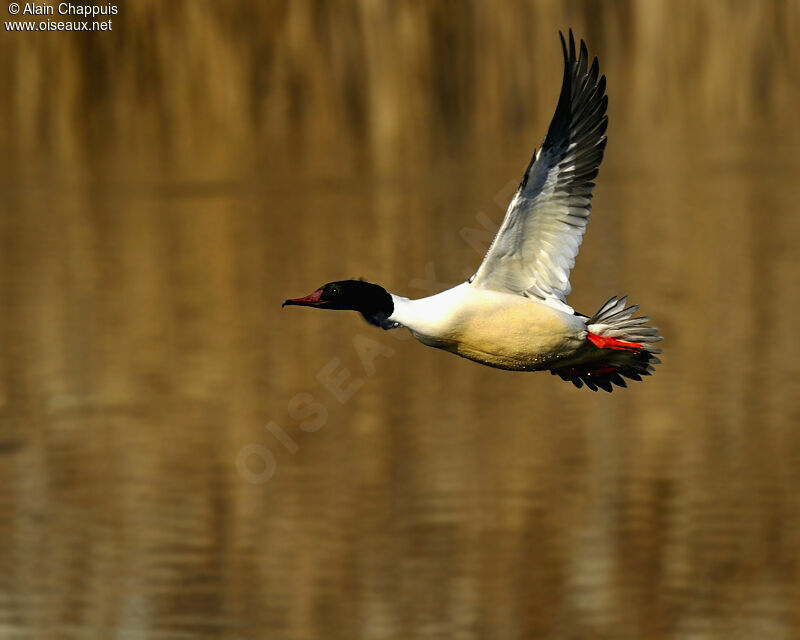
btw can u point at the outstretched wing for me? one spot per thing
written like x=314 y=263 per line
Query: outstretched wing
x=535 y=248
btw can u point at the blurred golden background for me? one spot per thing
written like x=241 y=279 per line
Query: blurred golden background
x=175 y=460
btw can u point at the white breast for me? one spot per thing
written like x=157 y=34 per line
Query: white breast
x=499 y=329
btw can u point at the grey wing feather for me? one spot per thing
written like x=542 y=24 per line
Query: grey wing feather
x=535 y=247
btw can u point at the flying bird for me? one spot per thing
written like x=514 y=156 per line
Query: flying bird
x=512 y=313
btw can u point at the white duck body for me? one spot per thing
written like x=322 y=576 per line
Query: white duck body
x=513 y=312
x=495 y=328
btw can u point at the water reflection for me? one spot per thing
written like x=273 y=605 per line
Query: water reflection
x=166 y=188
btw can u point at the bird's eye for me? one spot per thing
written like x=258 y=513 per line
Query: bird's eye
x=335 y=290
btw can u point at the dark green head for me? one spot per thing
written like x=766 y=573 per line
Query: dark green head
x=369 y=299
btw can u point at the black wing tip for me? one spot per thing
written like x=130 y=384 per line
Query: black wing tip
x=578 y=54
x=569 y=51
x=573 y=52
x=583 y=92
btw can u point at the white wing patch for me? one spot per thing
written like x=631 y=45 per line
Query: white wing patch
x=535 y=247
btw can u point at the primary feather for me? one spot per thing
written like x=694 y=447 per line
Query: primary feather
x=535 y=247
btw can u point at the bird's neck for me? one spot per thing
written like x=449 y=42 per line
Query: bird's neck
x=403 y=310
x=430 y=315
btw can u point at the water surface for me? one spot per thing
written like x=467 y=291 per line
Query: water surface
x=180 y=458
